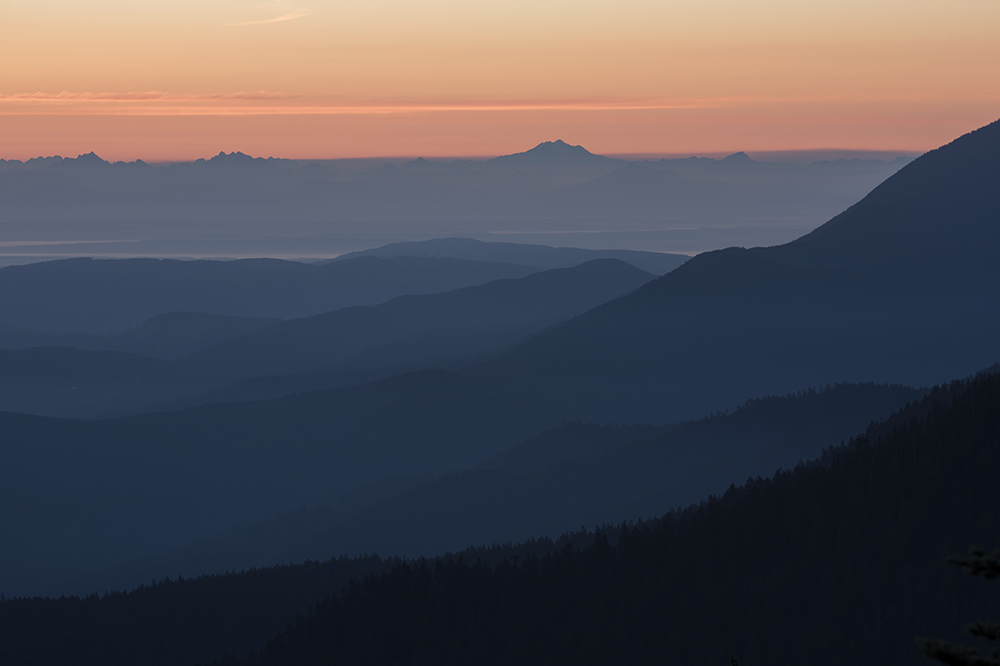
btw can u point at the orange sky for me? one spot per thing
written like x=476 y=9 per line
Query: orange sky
x=163 y=80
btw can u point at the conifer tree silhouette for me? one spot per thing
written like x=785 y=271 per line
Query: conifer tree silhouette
x=977 y=562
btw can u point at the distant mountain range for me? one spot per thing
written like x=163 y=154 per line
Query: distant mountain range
x=237 y=205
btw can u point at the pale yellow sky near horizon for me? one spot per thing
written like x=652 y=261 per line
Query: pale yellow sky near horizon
x=155 y=80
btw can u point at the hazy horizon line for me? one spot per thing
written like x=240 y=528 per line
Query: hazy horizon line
x=758 y=155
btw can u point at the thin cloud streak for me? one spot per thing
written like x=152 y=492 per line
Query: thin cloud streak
x=230 y=104
x=286 y=12
x=264 y=103
x=287 y=17
x=131 y=108
x=150 y=96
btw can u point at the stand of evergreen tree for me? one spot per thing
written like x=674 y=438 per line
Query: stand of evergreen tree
x=837 y=561
x=977 y=562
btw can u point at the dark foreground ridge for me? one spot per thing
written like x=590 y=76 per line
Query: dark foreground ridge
x=838 y=561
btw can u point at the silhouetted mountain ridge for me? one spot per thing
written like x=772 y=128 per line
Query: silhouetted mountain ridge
x=554 y=153
x=872 y=295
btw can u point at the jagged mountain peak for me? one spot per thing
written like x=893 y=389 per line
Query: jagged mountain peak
x=90 y=159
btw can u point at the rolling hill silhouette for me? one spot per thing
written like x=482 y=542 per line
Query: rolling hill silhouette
x=355 y=345
x=422 y=329
x=111 y=295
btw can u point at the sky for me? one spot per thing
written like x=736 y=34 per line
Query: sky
x=180 y=79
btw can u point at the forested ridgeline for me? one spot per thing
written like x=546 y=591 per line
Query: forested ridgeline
x=590 y=474
x=837 y=562
x=179 y=622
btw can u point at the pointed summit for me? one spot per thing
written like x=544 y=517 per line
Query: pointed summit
x=86 y=160
x=738 y=158
x=554 y=153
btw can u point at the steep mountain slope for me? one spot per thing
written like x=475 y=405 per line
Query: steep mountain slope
x=837 y=562
x=901 y=287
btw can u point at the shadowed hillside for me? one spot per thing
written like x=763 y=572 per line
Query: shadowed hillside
x=112 y=295
x=900 y=287
x=423 y=329
x=836 y=562
x=350 y=346
x=577 y=474
x=839 y=561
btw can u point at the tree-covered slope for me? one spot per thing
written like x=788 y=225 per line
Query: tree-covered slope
x=576 y=474
x=588 y=474
x=839 y=561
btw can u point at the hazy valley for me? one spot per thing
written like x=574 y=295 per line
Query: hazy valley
x=769 y=448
